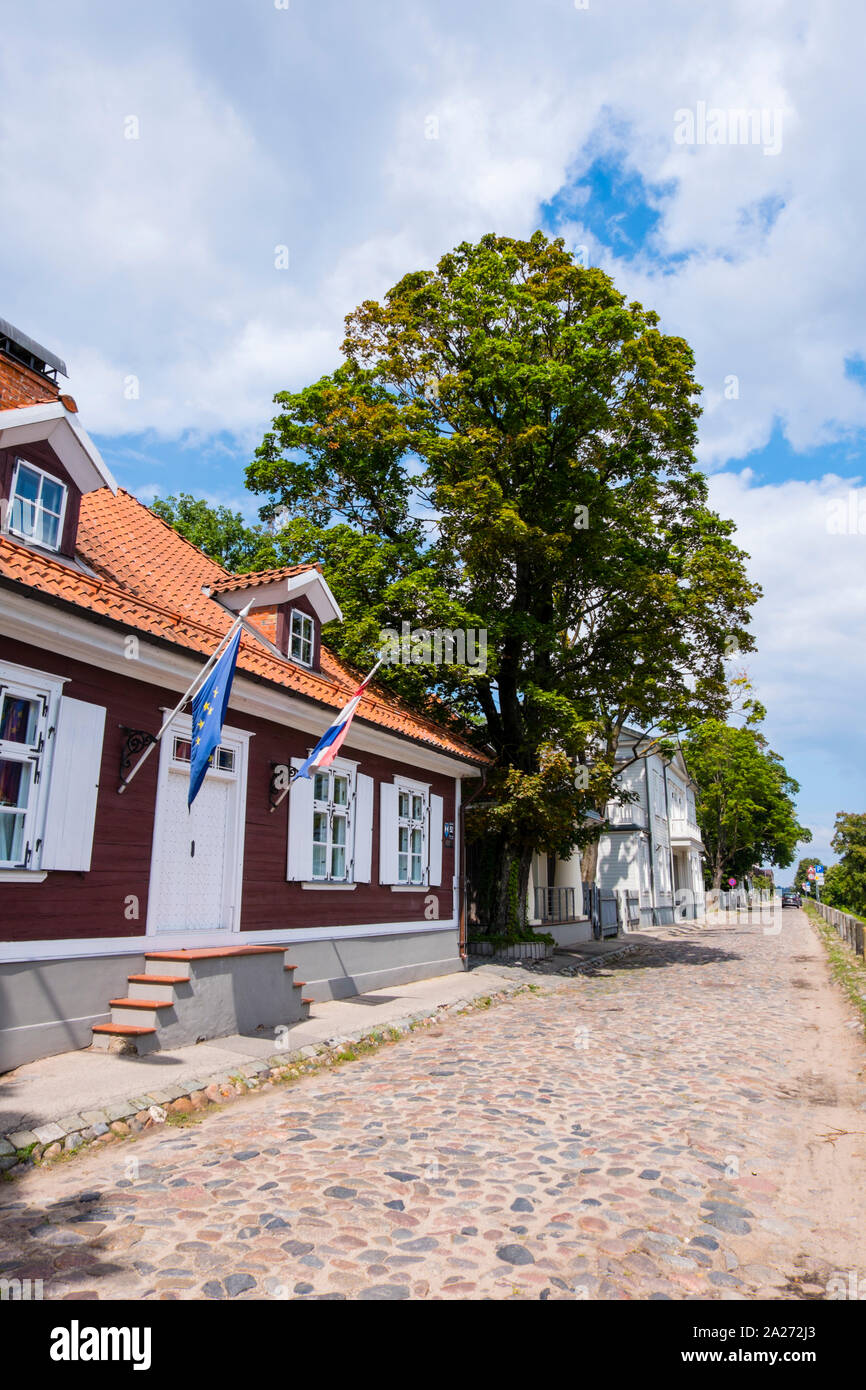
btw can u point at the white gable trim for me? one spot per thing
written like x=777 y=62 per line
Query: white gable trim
x=309 y=583
x=53 y=424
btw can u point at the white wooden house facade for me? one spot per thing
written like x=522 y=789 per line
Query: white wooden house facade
x=649 y=855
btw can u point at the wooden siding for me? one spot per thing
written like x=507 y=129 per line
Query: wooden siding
x=93 y=904
x=618 y=861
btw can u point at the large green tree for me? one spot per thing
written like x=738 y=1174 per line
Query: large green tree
x=845 y=882
x=745 y=806
x=508 y=445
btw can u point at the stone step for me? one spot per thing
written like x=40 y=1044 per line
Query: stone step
x=155 y=979
x=164 y=989
x=110 y=1037
x=187 y=996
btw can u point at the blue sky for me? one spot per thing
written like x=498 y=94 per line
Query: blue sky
x=160 y=163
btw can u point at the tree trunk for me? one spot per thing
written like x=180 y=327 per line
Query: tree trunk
x=717 y=877
x=503 y=906
x=589 y=861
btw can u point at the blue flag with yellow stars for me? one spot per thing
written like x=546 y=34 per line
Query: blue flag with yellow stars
x=208 y=712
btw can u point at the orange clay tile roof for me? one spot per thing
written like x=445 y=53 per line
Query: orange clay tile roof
x=253 y=578
x=150 y=579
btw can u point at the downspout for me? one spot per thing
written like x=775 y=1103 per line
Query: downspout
x=652 y=844
x=461 y=884
x=670 y=846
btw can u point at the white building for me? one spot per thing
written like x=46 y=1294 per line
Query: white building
x=649 y=856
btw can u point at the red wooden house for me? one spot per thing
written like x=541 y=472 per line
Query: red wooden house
x=225 y=918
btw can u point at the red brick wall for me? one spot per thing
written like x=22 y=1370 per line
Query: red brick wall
x=266 y=620
x=20 y=385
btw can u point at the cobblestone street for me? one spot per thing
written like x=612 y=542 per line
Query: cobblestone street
x=686 y=1121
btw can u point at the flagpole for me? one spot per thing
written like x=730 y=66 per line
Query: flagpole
x=284 y=793
x=188 y=695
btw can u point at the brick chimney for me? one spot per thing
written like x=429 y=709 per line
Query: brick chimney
x=28 y=372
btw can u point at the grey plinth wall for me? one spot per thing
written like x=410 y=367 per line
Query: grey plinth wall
x=337 y=969
x=50 y=1006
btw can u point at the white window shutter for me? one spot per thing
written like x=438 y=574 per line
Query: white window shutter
x=434 y=825
x=300 y=854
x=67 y=840
x=388 y=833
x=363 y=869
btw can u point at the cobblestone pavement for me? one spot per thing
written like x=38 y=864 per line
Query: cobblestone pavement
x=685 y=1122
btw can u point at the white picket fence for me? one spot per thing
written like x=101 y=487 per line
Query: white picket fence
x=848 y=927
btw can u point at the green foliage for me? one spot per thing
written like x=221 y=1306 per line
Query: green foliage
x=845 y=882
x=745 y=806
x=507 y=445
x=222 y=534
x=837 y=888
x=548 y=427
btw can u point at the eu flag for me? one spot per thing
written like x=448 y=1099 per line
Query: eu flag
x=208 y=712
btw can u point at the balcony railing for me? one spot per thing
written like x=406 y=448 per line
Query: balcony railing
x=556 y=905
x=683 y=829
x=630 y=814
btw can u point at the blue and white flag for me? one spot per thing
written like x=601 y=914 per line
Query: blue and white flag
x=208 y=712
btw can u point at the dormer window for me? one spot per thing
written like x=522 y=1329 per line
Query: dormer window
x=289 y=607
x=37 y=506
x=301 y=638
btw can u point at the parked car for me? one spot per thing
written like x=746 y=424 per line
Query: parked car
x=791 y=898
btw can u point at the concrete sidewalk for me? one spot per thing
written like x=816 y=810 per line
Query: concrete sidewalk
x=73 y=1097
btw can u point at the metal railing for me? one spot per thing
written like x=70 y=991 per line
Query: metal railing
x=556 y=905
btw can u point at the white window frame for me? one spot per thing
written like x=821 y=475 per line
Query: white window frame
x=21 y=682
x=412 y=788
x=43 y=474
x=214 y=770
x=305 y=618
x=340 y=767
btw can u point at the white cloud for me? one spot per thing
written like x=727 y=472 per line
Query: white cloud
x=307 y=128
x=155 y=257
x=810 y=665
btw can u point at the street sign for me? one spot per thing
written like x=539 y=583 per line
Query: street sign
x=732 y=883
x=810 y=872
x=819 y=879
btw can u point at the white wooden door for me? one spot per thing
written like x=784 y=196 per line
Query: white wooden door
x=197 y=852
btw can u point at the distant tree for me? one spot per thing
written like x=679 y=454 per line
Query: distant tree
x=222 y=534
x=835 y=890
x=745 y=806
x=847 y=879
